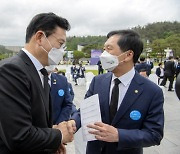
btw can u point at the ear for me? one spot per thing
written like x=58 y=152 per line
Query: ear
x=39 y=36
x=130 y=55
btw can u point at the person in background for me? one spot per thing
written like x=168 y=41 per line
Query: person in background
x=61 y=98
x=169 y=72
x=69 y=85
x=150 y=64
x=25 y=107
x=143 y=73
x=177 y=66
x=81 y=71
x=73 y=67
x=160 y=72
x=177 y=86
x=143 y=65
x=131 y=106
x=100 y=69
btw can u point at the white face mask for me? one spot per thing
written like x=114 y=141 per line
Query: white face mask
x=108 y=61
x=54 y=55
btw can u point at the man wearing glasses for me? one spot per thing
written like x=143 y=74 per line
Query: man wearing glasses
x=25 y=108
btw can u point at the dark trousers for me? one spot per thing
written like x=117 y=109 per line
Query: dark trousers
x=170 y=78
x=100 y=71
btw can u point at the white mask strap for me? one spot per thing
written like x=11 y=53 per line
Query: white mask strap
x=47 y=40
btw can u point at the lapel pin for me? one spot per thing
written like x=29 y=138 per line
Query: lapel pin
x=54 y=82
x=136 y=91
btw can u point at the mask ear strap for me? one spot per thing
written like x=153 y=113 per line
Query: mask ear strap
x=44 y=49
x=47 y=40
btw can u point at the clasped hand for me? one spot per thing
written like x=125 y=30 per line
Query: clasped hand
x=67 y=128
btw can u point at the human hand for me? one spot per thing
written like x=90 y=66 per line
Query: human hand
x=61 y=149
x=104 y=132
x=67 y=136
x=71 y=126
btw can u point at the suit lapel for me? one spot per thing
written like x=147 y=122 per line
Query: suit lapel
x=105 y=96
x=34 y=75
x=133 y=92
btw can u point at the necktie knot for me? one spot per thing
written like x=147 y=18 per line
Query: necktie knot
x=117 y=81
x=44 y=72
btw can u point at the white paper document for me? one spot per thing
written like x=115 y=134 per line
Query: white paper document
x=90 y=113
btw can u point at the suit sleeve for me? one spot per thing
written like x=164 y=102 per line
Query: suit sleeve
x=71 y=91
x=152 y=129
x=76 y=115
x=16 y=128
x=66 y=106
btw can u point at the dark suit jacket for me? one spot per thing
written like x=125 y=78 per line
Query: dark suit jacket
x=158 y=71
x=142 y=96
x=61 y=98
x=143 y=66
x=169 y=69
x=177 y=69
x=177 y=86
x=25 y=115
x=81 y=71
x=71 y=91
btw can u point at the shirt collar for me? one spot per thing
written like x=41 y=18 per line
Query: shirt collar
x=36 y=63
x=126 y=78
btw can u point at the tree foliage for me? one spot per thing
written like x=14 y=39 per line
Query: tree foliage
x=94 y=41
x=158 y=30
x=160 y=35
x=77 y=55
x=5 y=53
x=87 y=49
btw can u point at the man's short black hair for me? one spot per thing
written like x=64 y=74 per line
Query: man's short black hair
x=129 y=40
x=142 y=59
x=46 y=22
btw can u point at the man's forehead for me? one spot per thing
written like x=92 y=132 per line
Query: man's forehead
x=113 y=39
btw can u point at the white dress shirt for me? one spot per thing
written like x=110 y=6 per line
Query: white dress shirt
x=36 y=63
x=123 y=86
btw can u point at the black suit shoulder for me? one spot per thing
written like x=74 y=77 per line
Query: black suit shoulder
x=21 y=100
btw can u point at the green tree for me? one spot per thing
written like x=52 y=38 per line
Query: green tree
x=5 y=53
x=87 y=49
x=158 y=47
x=173 y=42
x=77 y=55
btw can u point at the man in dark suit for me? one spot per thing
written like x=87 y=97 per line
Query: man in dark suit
x=143 y=66
x=177 y=86
x=131 y=105
x=169 y=72
x=25 y=108
x=150 y=64
x=60 y=98
x=177 y=66
x=81 y=71
x=160 y=72
x=100 y=69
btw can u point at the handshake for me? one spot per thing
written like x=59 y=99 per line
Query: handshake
x=67 y=128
